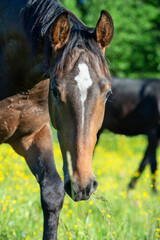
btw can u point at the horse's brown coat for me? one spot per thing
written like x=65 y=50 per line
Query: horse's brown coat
x=24 y=114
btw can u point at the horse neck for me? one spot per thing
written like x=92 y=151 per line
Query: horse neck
x=10 y=14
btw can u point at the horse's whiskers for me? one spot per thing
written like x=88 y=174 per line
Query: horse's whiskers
x=99 y=197
x=99 y=208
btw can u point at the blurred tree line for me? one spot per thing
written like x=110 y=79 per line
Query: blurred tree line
x=135 y=49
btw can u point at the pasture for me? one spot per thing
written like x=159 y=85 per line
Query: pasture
x=111 y=213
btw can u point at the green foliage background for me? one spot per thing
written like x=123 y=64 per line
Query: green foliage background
x=135 y=49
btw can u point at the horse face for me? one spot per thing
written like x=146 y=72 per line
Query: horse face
x=76 y=105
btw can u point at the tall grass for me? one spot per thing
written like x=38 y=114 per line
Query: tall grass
x=111 y=213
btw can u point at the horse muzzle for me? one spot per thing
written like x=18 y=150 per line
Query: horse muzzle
x=78 y=193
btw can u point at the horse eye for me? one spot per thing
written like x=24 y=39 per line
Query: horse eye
x=56 y=93
x=108 y=93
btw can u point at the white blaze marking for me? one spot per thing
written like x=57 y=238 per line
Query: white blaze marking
x=84 y=81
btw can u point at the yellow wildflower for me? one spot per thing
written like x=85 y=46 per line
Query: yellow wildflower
x=145 y=194
x=90 y=202
x=1 y=176
x=70 y=211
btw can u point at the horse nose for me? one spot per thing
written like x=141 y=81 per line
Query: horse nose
x=91 y=187
x=77 y=193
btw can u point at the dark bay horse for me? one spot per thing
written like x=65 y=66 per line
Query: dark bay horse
x=133 y=109
x=40 y=39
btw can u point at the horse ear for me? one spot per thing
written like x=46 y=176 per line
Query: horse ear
x=104 y=30
x=60 y=31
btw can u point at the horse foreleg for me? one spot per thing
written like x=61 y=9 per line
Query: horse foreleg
x=38 y=152
x=153 y=143
x=141 y=168
x=149 y=157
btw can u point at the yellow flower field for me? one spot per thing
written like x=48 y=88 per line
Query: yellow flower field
x=112 y=212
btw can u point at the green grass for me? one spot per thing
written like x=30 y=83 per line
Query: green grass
x=113 y=213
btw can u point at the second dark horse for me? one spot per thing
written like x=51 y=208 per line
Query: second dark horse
x=133 y=109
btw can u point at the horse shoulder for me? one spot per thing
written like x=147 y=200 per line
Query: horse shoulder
x=24 y=113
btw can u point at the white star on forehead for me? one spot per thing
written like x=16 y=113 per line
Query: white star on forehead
x=84 y=81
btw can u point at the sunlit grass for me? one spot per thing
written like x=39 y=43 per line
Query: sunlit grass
x=111 y=213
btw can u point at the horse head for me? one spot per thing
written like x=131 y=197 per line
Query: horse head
x=80 y=84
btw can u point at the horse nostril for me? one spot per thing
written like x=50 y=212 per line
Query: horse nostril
x=95 y=184
x=91 y=187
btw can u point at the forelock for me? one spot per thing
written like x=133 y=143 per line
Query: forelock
x=80 y=42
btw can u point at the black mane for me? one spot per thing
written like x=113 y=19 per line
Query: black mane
x=79 y=39
x=39 y=16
